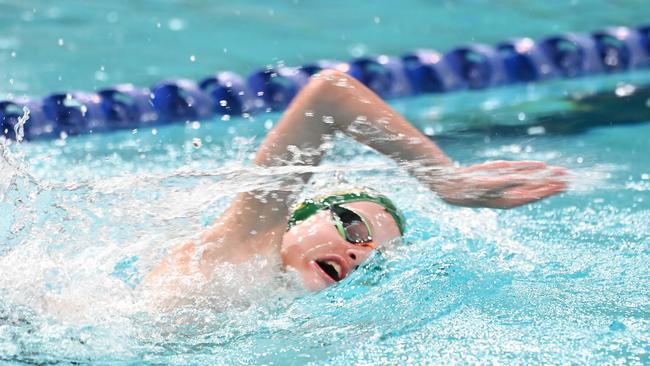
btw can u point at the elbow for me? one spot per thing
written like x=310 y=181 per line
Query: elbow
x=331 y=86
x=331 y=74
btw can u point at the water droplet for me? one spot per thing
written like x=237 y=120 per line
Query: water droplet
x=223 y=102
x=383 y=59
x=60 y=42
x=358 y=50
x=625 y=90
x=521 y=116
x=176 y=24
x=225 y=117
x=309 y=114
x=328 y=119
x=192 y=58
x=100 y=75
x=19 y=126
x=196 y=142
x=536 y=130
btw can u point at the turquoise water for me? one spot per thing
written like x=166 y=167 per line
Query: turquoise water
x=83 y=219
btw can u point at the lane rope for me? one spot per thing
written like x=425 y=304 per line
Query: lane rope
x=474 y=66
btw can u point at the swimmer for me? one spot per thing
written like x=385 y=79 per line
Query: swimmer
x=326 y=238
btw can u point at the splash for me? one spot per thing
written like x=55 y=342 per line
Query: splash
x=73 y=266
x=19 y=127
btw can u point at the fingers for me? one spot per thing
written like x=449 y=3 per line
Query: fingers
x=503 y=184
x=502 y=170
x=522 y=189
x=506 y=164
x=558 y=171
x=504 y=174
x=527 y=194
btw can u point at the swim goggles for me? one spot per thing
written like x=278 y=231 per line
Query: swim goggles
x=352 y=226
x=310 y=206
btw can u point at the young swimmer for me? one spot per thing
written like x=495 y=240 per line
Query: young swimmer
x=324 y=239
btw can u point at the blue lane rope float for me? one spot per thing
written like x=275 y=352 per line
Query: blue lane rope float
x=474 y=66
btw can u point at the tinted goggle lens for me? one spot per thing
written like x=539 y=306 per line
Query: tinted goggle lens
x=352 y=226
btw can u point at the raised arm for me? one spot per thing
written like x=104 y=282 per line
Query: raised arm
x=336 y=101
x=333 y=101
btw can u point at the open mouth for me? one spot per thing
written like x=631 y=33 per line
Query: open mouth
x=332 y=269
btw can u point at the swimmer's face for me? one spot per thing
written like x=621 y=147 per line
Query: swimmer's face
x=322 y=256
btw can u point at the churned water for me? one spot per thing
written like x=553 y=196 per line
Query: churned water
x=83 y=219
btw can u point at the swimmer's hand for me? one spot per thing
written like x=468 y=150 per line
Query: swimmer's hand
x=501 y=184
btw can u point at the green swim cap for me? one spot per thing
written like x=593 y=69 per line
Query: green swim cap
x=310 y=206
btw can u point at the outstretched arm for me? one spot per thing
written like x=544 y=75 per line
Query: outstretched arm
x=336 y=101
x=333 y=101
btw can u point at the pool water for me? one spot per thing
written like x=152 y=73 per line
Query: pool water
x=83 y=219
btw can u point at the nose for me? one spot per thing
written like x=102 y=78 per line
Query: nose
x=357 y=255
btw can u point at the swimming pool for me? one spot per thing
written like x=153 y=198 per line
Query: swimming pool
x=562 y=281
